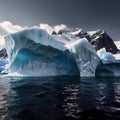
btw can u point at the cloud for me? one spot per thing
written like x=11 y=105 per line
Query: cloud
x=57 y=28
x=10 y=28
x=46 y=27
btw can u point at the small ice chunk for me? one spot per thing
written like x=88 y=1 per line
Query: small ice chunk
x=106 y=56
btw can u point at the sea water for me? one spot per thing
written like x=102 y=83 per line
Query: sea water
x=59 y=98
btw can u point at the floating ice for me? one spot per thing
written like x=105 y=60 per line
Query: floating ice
x=105 y=56
x=34 y=52
x=3 y=65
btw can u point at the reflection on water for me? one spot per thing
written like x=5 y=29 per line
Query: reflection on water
x=4 y=88
x=71 y=101
x=59 y=98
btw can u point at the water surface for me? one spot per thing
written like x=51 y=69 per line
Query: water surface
x=59 y=98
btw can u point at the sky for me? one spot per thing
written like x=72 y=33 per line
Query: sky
x=86 y=14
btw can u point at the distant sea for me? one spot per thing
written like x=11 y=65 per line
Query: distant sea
x=59 y=98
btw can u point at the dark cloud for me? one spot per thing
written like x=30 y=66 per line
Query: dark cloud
x=88 y=14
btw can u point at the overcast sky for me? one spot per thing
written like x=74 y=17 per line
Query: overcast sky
x=86 y=14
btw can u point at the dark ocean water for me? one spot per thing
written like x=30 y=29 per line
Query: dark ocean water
x=59 y=98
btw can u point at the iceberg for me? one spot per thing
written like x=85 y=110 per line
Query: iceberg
x=106 y=56
x=35 y=52
x=3 y=65
x=110 y=64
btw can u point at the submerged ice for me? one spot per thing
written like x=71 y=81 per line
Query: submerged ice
x=34 y=52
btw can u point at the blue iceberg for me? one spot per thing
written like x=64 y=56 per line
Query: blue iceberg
x=34 y=52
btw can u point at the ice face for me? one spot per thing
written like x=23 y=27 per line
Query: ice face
x=105 y=56
x=110 y=66
x=3 y=65
x=108 y=70
x=85 y=56
x=3 y=62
